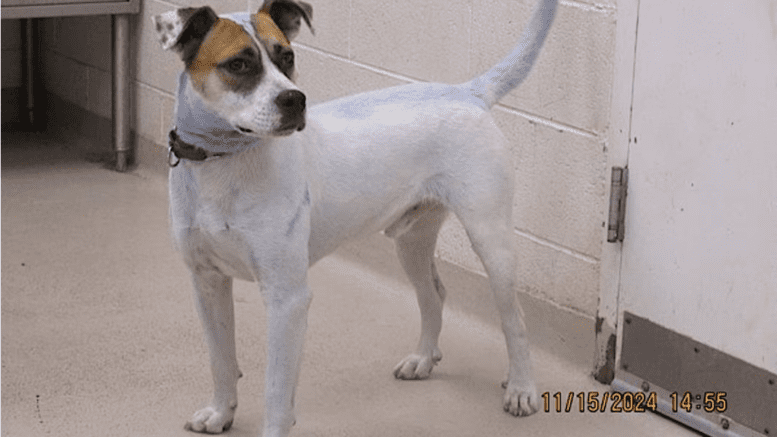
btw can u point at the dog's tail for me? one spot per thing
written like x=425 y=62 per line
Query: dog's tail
x=515 y=67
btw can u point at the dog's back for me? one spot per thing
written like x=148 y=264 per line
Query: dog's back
x=267 y=187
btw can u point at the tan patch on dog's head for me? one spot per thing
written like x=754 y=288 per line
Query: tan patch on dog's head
x=269 y=32
x=225 y=40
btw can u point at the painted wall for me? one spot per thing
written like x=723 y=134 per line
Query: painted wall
x=556 y=122
x=11 y=63
x=76 y=54
x=11 y=53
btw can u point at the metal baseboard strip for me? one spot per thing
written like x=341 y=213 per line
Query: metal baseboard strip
x=694 y=383
x=711 y=424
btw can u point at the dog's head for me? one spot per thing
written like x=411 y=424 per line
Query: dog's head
x=244 y=72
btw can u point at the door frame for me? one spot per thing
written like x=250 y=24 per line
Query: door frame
x=617 y=143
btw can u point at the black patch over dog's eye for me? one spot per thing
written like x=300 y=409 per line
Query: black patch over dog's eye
x=238 y=66
x=243 y=71
x=288 y=59
x=283 y=58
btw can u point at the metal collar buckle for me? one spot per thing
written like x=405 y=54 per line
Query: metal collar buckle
x=170 y=156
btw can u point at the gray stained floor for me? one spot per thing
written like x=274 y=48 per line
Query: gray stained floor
x=100 y=335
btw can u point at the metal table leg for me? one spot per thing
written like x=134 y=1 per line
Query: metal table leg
x=35 y=107
x=121 y=90
x=29 y=46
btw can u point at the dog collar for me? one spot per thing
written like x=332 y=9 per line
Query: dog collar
x=180 y=149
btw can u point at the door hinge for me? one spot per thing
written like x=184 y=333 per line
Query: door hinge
x=615 y=229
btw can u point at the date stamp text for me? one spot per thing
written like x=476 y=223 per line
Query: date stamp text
x=630 y=402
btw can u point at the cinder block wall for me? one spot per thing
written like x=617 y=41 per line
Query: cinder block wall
x=11 y=62
x=556 y=122
x=11 y=53
x=76 y=54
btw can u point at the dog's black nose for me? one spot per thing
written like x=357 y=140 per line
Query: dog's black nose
x=291 y=102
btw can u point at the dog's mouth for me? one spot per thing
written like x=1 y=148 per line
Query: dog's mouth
x=284 y=130
x=290 y=128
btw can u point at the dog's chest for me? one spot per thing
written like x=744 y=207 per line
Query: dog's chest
x=209 y=221
x=216 y=238
x=228 y=213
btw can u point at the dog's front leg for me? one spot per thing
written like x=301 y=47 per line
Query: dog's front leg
x=213 y=293
x=287 y=306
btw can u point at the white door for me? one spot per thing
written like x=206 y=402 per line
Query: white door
x=699 y=257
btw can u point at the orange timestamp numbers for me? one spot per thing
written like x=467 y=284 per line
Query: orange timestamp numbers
x=631 y=402
x=711 y=401
x=595 y=402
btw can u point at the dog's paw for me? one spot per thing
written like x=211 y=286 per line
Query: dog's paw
x=209 y=420
x=417 y=366
x=520 y=400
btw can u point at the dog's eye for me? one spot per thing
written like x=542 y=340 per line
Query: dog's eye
x=288 y=59
x=238 y=66
x=283 y=57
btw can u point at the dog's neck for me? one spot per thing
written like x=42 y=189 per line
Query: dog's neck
x=197 y=125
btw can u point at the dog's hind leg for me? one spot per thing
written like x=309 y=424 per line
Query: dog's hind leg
x=489 y=227
x=493 y=241
x=415 y=248
x=216 y=308
x=481 y=196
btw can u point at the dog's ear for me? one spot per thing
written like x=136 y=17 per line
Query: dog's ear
x=183 y=30
x=288 y=15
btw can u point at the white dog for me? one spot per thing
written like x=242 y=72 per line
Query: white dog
x=256 y=197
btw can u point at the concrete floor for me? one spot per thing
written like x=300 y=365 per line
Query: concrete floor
x=100 y=335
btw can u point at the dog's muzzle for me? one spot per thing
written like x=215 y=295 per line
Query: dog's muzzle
x=291 y=104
